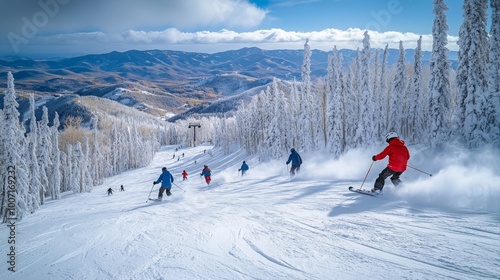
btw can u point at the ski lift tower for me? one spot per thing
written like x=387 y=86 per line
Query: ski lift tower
x=194 y=126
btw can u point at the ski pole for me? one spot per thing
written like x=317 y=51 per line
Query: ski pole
x=150 y=192
x=178 y=187
x=366 y=175
x=419 y=170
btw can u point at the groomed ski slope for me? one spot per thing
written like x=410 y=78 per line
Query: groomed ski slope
x=266 y=225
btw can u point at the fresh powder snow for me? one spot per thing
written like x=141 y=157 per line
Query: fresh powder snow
x=267 y=225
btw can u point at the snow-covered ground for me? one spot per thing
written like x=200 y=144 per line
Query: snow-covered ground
x=268 y=226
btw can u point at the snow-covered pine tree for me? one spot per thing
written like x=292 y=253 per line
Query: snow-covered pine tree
x=398 y=90
x=318 y=112
x=494 y=68
x=276 y=133
x=136 y=147
x=256 y=131
x=350 y=107
x=97 y=156
x=335 y=105
x=123 y=154
x=79 y=168
x=375 y=78
x=364 y=131
x=375 y=97
x=266 y=114
x=87 y=177
x=383 y=103
x=439 y=113
x=44 y=151
x=414 y=124
x=294 y=136
x=115 y=150
x=69 y=180
x=330 y=113
x=353 y=102
x=55 y=158
x=14 y=166
x=243 y=125
x=474 y=110
x=34 y=198
x=155 y=146
x=305 y=112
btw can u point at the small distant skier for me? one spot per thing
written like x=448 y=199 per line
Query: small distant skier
x=398 y=161
x=207 y=173
x=243 y=168
x=296 y=161
x=110 y=191
x=166 y=179
x=184 y=175
x=121 y=188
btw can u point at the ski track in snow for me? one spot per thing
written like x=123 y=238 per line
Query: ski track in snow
x=252 y=227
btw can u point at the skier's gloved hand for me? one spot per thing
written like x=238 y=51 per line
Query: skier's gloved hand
x=373 y=158
x=154 y=183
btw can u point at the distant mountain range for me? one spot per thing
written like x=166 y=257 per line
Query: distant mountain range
x=167 y=83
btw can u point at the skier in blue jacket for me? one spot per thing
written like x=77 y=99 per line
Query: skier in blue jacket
x=207 y=173
x=166 y=179
x=296 y=161
x=243 y=168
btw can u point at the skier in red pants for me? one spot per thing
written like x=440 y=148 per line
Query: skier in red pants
x=207 y=173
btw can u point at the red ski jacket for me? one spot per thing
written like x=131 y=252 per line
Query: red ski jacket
x=398 y=155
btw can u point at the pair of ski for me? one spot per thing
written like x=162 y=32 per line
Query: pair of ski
x=156 y=200
x=364 y=191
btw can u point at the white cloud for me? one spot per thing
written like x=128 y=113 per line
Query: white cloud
x=97 y=26
x=68 y=16
x=267 y=39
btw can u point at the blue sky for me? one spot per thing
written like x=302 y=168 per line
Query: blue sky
x=382 y=15
x=75 y=27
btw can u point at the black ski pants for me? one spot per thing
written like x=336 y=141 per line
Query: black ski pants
x=295 y=168
x=379 y=183
x=162 y=189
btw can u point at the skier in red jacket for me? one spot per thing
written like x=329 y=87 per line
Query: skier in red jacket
x=398 y=160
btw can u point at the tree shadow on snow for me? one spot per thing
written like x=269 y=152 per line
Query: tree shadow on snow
x=147 y=204
x=309 y=191
x=359 y=203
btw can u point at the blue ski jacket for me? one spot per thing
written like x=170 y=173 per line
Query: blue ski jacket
x=206 y=172
x=294 y=158
x=166 y=179
x=244 y=167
